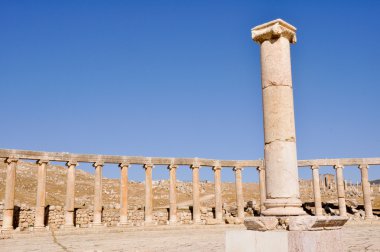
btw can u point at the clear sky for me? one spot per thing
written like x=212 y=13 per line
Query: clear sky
x=182 y=79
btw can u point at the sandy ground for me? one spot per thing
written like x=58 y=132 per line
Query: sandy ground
x=361 y=237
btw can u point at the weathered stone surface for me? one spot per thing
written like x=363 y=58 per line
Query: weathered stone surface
x=261 y=223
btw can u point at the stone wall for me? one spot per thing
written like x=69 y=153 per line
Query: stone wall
x=54 y=216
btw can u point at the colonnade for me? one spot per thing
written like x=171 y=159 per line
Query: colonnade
x=43 y=159
x=341 y=190
x=69 y=208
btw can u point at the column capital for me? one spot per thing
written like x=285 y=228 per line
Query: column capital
x=363 y=166
x=237 y=168
x=9 y=160
x=146 y=166
x=42 y=161
x=260 y=168
x=215 y=168
x=338 y=166
x=274 y=30
x=72 y=162
x=313 y=167
x=98 y=163
x=172 y=166
x=195 y=166
x=124 y=164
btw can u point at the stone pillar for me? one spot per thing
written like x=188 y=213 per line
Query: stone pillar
x=98 y=206
x=70 y=194
x=263 y=192
x=218 y=193
x=282 y=186
x=366 y=191
x=123 y=194
x=39 y=222
x=148 y=194
x=173 y=194
x=9 y=200
x=317 y=191
x=340 y=189
x=196 y=203
x=239 y=192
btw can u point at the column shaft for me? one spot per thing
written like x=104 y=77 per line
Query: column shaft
x=218 y=194
x=280 y=154
x=340 y=189
x=148 y=194
x=172 y=194
x=262 y=186
x=39 y=222
x=98 y=206
x=123 y=194
x=70 y=194
x=196 y=203
x=366 y=192
x=317 y=191
x=10 y=184
x=239 y=192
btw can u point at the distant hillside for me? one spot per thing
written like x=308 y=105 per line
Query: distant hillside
x=377 y=181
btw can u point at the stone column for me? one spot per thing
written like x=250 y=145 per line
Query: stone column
x=70 y=194
x=263 y=192
x=173 y=194
x=148 y=194
x=98 y=206
x=123 y=194
x=218 y=193
x=317 y=191
x=9 y=200
x=366 y=191
x=239 y=192
x=282 y=186
x=196 y=202
x=39 y=222
x=340 y=189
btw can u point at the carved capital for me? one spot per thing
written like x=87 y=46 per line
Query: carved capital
x=313 y=167
x=195 y=166
x=11 y=160
x=42 y=161
x=172 y=166
x=216 y=168
x=274 y=30
x=363 y=166
x=121 y=165
x=237 y=168
x=260 y=168
x=98 y=163
x=148 y=166
x=338 y=166
x=72 y=162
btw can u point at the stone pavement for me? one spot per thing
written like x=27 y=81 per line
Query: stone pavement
x=361 y=237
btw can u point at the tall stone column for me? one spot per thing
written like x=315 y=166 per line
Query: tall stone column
x=9 y=200
x=123 y=194
x=173 y=194
x=340 y=189
x=98 y=206
x=196 y=199
x=239 y=192
x=148 y=194
x=70 y=194
x=317 y=191
x=218 y=193
x=39 y=222
x=263 y=192
x=366 y=191
x=282 y=186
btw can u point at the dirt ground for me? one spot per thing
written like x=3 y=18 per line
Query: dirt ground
x=358 y=237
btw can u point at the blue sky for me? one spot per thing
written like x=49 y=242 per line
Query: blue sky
x=182 y=79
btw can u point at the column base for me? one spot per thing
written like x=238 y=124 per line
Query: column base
x=40 y=229
x=283 y=241
x=283 y=207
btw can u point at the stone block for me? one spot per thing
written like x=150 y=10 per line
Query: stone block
x=283 y=241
